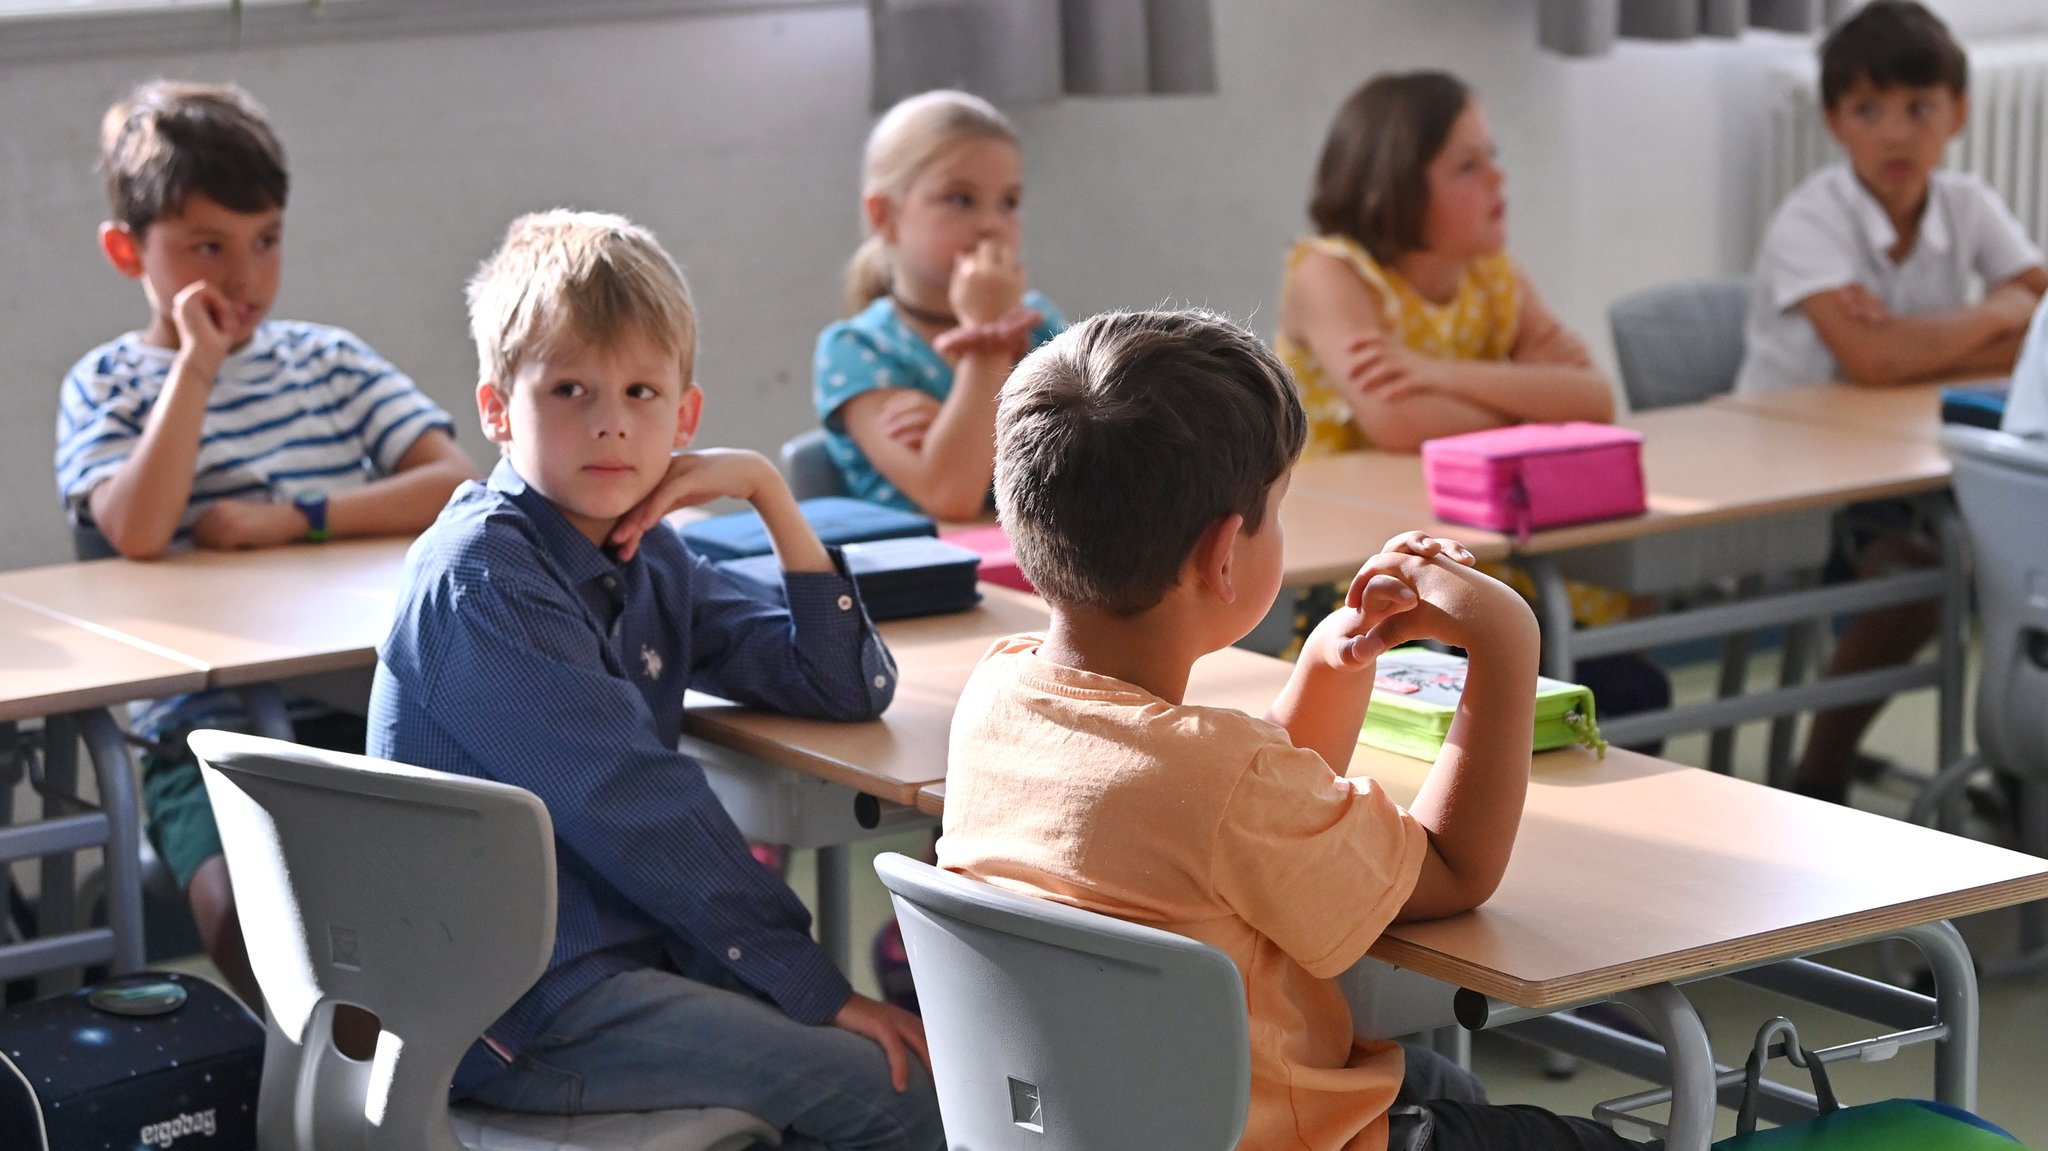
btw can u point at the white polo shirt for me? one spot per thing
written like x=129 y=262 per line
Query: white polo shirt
x=2026 y=408
x=1831 y=232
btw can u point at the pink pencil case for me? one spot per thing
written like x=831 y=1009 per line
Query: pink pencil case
x=1534 y=476
x=998 y=561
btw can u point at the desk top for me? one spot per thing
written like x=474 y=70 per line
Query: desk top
x=1629 y=871
x=905 y=750
x=1329 y=535
x=51 y=666
x=1703 y=464
x=241 y=617
x=1912 y=410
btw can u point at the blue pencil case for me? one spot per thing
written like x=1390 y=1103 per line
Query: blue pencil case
x=1977 y=405
x=898 y=578
x=836 y=519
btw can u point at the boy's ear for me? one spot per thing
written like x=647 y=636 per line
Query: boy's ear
x=687 y=416
x=881 y=215
x=1213 y=561
x=493 y=412
x=122 y=249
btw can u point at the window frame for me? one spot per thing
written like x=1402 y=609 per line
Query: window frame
x=175 y=27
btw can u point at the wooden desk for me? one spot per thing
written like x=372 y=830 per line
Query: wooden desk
x=1329 y=536
x=241 y=617
x=69 y=675
x=1703 y=464
x=1910 y=410
x=50 y=666
x=1630 y=871
x=892 y=757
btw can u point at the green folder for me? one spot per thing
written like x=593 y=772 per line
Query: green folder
x=1415 y=695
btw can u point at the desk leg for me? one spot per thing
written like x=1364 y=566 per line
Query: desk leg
x=1554 y=612
x=124 y=836
x=835 y=905
x=56 y=905
x=1952 y=644
x=1955 y=1004
x=1671 y=1016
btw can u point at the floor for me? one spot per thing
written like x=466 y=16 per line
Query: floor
x=2015 y=1011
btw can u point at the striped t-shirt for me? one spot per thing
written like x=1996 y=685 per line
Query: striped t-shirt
x=299 y=408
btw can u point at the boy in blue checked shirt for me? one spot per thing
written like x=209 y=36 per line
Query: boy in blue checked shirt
x=548 y=628
x=218 y=427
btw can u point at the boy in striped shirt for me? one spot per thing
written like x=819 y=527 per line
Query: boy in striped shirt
x=216 y=427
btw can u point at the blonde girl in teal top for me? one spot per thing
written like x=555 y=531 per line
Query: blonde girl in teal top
x=940 y=309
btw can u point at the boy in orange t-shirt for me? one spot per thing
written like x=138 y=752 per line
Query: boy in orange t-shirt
x=1140 y=463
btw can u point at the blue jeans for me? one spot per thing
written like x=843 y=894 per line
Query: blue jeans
x=650 y=1040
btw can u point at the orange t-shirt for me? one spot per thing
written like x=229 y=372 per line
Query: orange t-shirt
x=1209 y=823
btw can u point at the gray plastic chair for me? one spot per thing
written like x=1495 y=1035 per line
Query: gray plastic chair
x=1680 y=343
x=2001 y=485
x=425 y=898
x=1053 y=1028
x=807 y=465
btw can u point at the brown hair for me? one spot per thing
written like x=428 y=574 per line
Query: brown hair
x=582 y=276
x=1122 y=440
x=1891 y=43
x=1372 y=181
x=904 y=142
x=169 y=139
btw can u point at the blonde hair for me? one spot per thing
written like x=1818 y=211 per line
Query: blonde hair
x=905 y=141
x=587 y=276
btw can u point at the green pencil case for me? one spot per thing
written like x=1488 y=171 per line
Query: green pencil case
x=1415 y=695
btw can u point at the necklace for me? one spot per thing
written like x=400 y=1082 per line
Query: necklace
x=937 y=319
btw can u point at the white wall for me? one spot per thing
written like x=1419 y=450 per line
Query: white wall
x=736 y=139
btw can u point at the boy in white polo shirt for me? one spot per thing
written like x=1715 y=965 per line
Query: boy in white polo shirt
x=1866 y=275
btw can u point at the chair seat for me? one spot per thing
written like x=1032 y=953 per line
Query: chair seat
x=694 y=1129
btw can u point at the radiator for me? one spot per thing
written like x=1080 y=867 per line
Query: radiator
x=2005 y=142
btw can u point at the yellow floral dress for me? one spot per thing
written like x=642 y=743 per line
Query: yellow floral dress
x=1479 y=323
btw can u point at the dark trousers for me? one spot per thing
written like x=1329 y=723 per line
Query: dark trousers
x=1441 y=1107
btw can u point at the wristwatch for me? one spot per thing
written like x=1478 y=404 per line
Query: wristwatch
x=313 y=505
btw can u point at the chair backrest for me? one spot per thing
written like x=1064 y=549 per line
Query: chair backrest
x=2001 y=484
x=1679 y=343
x=807 y=465
x=426 y=898
x=1054 y=1028
x=88 y=543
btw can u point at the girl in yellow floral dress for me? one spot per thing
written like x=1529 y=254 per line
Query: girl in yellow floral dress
x=1404 y=319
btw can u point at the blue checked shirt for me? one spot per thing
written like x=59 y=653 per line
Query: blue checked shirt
x=524 y=654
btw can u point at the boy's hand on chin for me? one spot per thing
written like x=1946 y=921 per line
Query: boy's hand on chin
x=694 y=478
x=202 y=315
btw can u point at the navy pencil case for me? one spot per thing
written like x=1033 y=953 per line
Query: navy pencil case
x=836 y=519
x=897 y=578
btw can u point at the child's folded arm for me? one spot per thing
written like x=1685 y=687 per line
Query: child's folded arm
x=540 y=708
x=819 y=657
